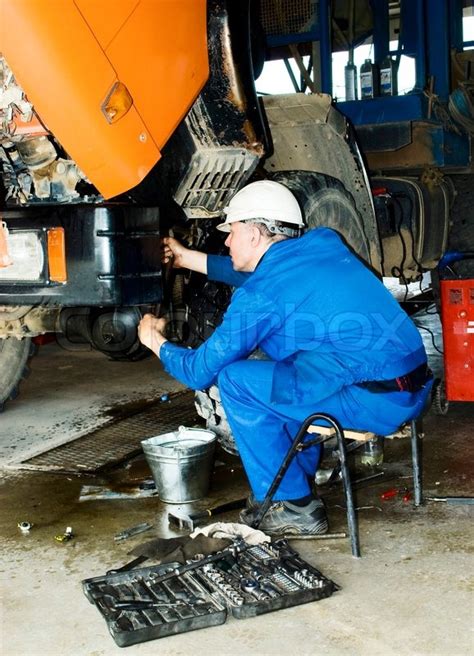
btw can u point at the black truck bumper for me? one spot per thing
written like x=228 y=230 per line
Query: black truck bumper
x=112 y=256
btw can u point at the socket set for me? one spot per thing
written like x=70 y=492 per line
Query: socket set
x=154 y=602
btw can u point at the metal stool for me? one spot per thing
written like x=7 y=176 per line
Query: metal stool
x=324 y=433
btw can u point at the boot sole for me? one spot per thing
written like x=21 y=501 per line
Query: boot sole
x=290 y=529
x=317 y=528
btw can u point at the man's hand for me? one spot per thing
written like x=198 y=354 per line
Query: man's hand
x=182 y=257
x=151 y=332
x=174 y=252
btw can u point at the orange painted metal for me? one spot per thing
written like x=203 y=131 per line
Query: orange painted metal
x=57 y=255
x=5 y=259
x=67 y=61
x=106 y=17
x=172 y=44
x=457 y=318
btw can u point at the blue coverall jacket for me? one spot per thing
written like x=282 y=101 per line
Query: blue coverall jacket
x=327 y=324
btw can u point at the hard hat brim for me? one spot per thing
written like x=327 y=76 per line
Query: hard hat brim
x=224 y=227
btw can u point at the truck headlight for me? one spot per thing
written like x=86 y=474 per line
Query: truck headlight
x=27 y=255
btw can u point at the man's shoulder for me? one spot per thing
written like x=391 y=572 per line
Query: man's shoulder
x=323 y=234
x=319 y=236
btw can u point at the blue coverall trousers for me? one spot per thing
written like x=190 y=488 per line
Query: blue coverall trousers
x=263 y=430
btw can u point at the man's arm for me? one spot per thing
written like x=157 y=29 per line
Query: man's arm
x=220 y=269
x=248 y=320
x=216 y=267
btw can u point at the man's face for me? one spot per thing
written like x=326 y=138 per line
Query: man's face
x=241 y=245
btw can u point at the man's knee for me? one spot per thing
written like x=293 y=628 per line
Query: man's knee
x=249 y=380
x=230 y=375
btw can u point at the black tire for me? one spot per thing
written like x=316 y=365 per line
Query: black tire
x=136 y=353
x=440 y=404
x=326 y=202
x=14 y=356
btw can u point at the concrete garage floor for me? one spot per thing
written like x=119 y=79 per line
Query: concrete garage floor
x=410 y=593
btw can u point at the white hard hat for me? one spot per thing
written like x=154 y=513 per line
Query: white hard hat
x=267 y=200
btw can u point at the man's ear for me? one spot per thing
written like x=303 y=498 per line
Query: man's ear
x=256 y=235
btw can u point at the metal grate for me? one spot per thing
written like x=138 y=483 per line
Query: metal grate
x=220 y=173
x=118 y=440
x=288 y=16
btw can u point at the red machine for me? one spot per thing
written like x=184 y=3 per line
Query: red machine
x=457 y=318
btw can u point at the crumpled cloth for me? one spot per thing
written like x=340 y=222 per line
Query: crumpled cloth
x=206 y=541
x=179 y=549
x=231 y=531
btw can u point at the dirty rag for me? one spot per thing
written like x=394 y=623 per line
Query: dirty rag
x=231 y=531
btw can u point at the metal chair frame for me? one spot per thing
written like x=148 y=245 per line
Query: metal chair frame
x=300 y=445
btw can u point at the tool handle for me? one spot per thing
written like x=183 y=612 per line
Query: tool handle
x=468 y=500
x=224 y=507
x=133 y=605
x=453 y=500
x=143 y=604
x=130 y=565
x=134 y=530
x=317 y=536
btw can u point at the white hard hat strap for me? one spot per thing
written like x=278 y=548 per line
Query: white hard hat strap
x=277 y=227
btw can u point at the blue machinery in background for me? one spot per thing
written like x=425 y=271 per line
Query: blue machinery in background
x=429 y=31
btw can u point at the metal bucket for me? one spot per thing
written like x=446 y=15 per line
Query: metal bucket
x=181 y=463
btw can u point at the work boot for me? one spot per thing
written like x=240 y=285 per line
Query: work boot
x=284 y=518
x=252 y=503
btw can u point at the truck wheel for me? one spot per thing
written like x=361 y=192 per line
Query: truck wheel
x=334 y=208
x=327 y=203
x=14 y=356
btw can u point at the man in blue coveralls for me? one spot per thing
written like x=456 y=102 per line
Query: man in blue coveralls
x=336 y=340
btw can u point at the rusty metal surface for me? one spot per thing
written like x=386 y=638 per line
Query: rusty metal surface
x=118 y=440
x=22 y=321
x=429 y=146
x=218 y=146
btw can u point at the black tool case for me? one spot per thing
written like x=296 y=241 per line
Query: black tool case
x=138 y=606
